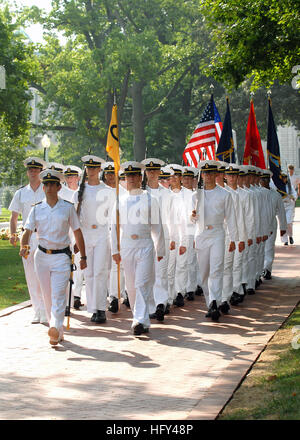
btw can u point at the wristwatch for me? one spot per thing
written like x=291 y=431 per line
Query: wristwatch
x=83 y=257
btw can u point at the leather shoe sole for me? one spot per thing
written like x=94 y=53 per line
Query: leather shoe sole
x=54 y=335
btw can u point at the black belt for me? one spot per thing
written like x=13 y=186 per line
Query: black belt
x=66 y=250
x=23 y=229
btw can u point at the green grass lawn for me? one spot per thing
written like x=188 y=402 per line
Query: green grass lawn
x=5 y=215
x=13 y=285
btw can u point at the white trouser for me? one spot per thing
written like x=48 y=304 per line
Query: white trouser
x=245 y=257
x=192 y=266
x=96 y=274
x=171 y=274
x=138 y=266
x=113 y=281
x=32 y=280
x=290 y=215
x=233 y=268
x=270 y=251
x=78 y=277
x=210 y=254
x=289 y=233
x=251 y=266
x=260 y=259
x=159 y=293
x=53 y=271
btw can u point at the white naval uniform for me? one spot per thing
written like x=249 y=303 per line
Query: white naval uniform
x=267 y=223
x=53 y=270
x=189 y=264
x=113 y=277
x=22 y=203
x=141 y=236
x=278 y=211
x=289 y=206
x=94 y=220
x=247 y=205
x=233 y=261
x=253 y=250
x=160 y=289
x=177 y=275
x=213 y=208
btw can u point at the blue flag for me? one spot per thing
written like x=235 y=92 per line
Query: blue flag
x=273 y=151
x=225 y=150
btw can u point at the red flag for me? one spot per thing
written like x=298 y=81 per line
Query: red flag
x=253 y=154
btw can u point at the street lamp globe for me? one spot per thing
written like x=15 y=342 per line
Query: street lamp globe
x=46 y=145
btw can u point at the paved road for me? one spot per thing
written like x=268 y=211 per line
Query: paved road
x=186 y=368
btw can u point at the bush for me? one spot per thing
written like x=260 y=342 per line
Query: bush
x=7 y=198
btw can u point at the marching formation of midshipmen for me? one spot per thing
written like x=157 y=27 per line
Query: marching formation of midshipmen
x=182 y=231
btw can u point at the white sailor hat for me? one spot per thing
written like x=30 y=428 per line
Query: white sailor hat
x=132 y=167
x=178 y=169
x=50 y=175
x=208 y=166
x=232 y=168
x=56 y=166
x=251 y=169
x=153 y=164
x=72 y=170
x=222 y=166
x=243 y=170
x=166 y=172
x=190 y=172
x=267 y=174
x=108 y=167
x=92 y=161
x=34 y=162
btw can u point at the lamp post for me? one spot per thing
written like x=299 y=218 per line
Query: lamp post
x=46 y=145
x=2 y=78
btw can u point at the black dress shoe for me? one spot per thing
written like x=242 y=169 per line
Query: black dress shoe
x=235 y=299
x=213 y=311
x=179 y=301
x=286 y=243
x=160 y=312
x=126 y=301
x=152 y=315
x=114 y=306
x=100 y=317
x=291 y=240
x=139 y=329
x=224 y=307
x=167 y=309
x=267 y=275
x=93 y=317
x=199 y=291
x=250 y=291
x=77 y=302
x=190 y=296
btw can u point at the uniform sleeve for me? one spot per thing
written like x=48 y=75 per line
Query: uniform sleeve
x=250 y=217
x=281 y=214
x=230 y=217
x=15 y=204
x=157 y=230
x=113 y=232
x=30 y=222
x=74 y=221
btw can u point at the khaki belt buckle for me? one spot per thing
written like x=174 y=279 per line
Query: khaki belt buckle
x=134 y=237
x=48 y=251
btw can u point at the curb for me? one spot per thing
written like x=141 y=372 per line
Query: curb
x=12 y=309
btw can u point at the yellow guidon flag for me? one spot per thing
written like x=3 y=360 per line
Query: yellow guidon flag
x=112 y=143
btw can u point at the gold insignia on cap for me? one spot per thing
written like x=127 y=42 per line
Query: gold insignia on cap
x=230 y=168
x=91 y=160
x=48 y=175
x=206 y=165
x=151 y=164
x=32 y=161
x=130 y=167
x=53 y=167
x=110 y=167
x=69 y=170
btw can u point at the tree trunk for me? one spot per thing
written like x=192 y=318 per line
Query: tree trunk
x=138 y=122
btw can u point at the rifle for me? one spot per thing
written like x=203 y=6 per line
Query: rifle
x=68 y=308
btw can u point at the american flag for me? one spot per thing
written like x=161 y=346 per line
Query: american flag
x=206 y=136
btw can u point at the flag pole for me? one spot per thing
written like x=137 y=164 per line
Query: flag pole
x=118 y=217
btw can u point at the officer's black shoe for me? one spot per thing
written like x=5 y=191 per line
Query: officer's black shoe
x=190 y=296
x=286 y=243
x=139 y=329
x=93 y=317
x=126 y=301
x=167 y=309
x=250 y=291
x=213 y=311
x=152 y=315
x=100 y=317
x=267 y=274
x=241 y=297
x=160 y=312
x=114 y=306
x=179 y=301
x=235 y=299
x=291 y=240
x=199 y=291
x=244 y=288
x=67 y=311
x=224 y=307
x=77 y=302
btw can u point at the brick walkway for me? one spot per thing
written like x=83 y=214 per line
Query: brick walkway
x=186 y=368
